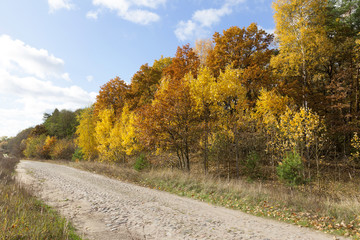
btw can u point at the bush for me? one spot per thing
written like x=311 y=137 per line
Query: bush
x=35 y=147
x=78 y=155
x=290 y=169
x=63 y=149
x=141 y=163
x=252 y=164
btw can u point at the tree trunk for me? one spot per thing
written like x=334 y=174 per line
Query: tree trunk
x=206 y=145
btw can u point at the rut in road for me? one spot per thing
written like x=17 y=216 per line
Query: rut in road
x=105 y=209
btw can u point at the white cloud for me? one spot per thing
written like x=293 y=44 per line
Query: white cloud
x=209 y=17
x=92 y=14
x=66 y=77
x=203 y=20
x=131 y=10
x=55 y=5
x=90 y=78
x=18 y=57
x=185 y=30
x=26 y=89
x=149 y=3
x=141 y=17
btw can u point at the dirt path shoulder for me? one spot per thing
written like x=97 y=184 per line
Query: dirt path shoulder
x=103 y=208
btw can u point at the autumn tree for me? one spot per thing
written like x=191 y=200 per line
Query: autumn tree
x=247 y=49
x=343 y=89
x=232 y=105
x=104 y=125
x=202 y=89
x=111 y=95
x=203 y=47
x=303 y=46
x=85 y=133
x=63 y=149
x=38 y=130
x=123 y=136
x=145 y=82
x=269 y=108
x=170 y=122
x=48 y=146
x=162 y=63
x=185 y=61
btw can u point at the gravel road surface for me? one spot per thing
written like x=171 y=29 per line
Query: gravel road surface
x=105 y=209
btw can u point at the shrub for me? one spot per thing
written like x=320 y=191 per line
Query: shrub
x=48 y=145
x=63 y=149
x=252 y=164
x=35 y=147
x=141 y=163
x=78 y=155
x=291 y=168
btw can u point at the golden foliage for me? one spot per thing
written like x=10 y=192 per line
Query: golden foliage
x=123 y=136
x=85 y=132
x=111 y=95
x=104 y=125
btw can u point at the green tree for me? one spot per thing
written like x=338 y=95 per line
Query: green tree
x=61 y=124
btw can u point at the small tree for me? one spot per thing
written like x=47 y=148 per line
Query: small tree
x=290 y=169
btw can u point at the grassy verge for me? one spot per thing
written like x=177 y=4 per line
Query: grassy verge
x=22 y=216
x=333 y=209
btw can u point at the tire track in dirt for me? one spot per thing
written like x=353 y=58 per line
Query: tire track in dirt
x=103 y=208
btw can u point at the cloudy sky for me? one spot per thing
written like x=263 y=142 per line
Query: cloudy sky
x=57 y=53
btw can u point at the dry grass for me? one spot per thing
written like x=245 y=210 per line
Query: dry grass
x=330 y=207
x=24 y=217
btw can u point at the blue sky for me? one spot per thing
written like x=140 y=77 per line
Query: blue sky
x=57 y=53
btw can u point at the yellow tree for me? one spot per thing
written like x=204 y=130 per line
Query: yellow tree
x=123 y=139
x=201 y=89
x=85 y=133
x=303 y=131
x=48 y=146
x=269 y=108
x=104 y=125
x=230 y=96
x=300 y=130
x=303 y=44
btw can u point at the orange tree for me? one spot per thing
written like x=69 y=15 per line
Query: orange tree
x=170 y=122
x=112 y=95
x=247 y=49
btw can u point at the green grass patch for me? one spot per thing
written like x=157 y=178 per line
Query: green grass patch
x=22 y=216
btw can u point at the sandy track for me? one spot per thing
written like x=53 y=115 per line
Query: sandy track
x=103 y=208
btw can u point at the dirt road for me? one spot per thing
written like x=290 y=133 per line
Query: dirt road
x=105 y=209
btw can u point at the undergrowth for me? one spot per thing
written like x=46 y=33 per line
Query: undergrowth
x=22 y=216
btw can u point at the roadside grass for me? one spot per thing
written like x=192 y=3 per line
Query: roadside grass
x=22 y=216
x=330 y=207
